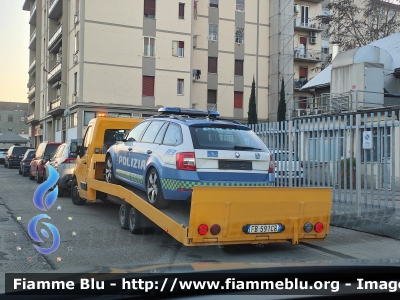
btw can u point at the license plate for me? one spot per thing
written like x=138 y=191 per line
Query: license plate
x=263 y=228
x=235 y=165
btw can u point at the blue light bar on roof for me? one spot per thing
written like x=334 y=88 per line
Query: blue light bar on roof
x=188 y=111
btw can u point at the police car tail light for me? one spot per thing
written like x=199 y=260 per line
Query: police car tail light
x=271 y=165
x=186 y=161
x=202 y=229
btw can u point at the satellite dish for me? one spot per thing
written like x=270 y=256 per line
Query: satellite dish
x=67 y=112
x=29 y=85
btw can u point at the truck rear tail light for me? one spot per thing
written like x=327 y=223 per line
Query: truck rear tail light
x=203 y=229
x=308 y=227
x=68 y=160
x=186 y=161
x=271 y=165
x=215 y=229
x=319 y=227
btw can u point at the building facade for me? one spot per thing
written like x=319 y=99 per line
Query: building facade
x=131 y=57
x=13 y=117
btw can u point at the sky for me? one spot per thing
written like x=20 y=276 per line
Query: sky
x=14 y=52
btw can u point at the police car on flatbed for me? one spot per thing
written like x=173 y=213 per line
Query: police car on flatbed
x=168 y=154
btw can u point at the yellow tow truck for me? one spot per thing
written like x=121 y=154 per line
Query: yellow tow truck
x=216 y=215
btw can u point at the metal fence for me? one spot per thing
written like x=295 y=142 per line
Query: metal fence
x=357 y=155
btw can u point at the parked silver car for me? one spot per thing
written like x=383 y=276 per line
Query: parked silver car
x=64 y=162
x=282 y=168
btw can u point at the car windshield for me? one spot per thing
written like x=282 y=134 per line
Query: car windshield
x=19 y=150
x=225 y=138
x=29 y=153
x=50 y=150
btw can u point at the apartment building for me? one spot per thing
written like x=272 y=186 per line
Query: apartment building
x=131 y=57
x=310 y=48
x=12 y=117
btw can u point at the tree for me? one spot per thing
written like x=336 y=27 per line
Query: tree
x=356 y=23
x=252 y=114
x=282 y=104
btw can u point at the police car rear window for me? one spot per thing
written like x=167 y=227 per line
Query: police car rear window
x=225 y=138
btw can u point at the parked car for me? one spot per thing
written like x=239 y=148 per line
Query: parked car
x=14 y=156
x=43 y=154
x=25 y=163
x=3 y=152
x=281 y=158
x=64 y=162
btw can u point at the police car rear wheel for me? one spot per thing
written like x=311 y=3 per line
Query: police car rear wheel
x=124 y=210
x=153 y=188
x=109 y=173
x=134 y=221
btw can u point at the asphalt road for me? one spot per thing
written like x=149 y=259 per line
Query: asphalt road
x=91 y=236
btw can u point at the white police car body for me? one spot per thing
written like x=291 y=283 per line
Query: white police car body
x=169 y=154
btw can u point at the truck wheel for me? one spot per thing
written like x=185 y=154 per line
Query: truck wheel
x=76 y=199
x=134 y=221
x=124 y=215
x=110 y=178
x=153 y=189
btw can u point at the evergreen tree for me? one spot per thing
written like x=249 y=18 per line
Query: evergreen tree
x=282 y=104
x=252 y=114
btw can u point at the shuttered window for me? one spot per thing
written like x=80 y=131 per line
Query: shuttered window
x=239 y=67
x=150 y=8
x=148 y=86
x=181 y=10
x=303 y=40
x=212 y=96
x=238 y=100
x=212 y=65
x=178 y=48
x=303 y=72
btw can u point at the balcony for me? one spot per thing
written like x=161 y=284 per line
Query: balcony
x=299 y=83
x=313 y=56
x=305 y=24
x=54 y=74
x=55 y=38
x=31 y=92
x=32 y=41
x=55 y=9
x=32 y=65
x=32 y=18
x=31 y=119
x=54 y=107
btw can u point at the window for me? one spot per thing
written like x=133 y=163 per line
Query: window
x=136 y=132
x=303 y=73
x=212 y=65
x=325 y=50
x=22 y=131
x=73 y=120
x=75 y=83
x=240 y=5
x=173 y=136
x=150 y=8
x=181 y=12
x=88 y=115
x=151 y=132
x=10 y=118
x=10 y=129
x=238 y=100
x=214 y=3
x=239 y=67
x=76 y=41
x=58 y=124
x=22 y=119
x=149 y=44
x=148 y=86
x=213 y=32
x=239 y=35
x=305 y=15
x=180 y=86
x=212 y=96
x=161 y=133
x=178 y=48
x=88 y=137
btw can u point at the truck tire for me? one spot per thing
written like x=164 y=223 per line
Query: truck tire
x=134 y=221
x=109 y=172
x=153 y=190
x=124 y=210
x=76 y=199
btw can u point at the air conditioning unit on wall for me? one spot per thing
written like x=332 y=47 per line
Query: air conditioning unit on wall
x=313 y=34
x=313 y=40
x=297 y=8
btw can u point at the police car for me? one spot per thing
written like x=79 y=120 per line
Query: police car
x=169 y=154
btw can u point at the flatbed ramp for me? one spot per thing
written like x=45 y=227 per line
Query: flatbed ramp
x=234 y=208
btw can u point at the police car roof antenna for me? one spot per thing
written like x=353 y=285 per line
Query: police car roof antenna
x=209 y=112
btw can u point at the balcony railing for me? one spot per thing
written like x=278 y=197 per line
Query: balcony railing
x=30 y=117
x=313 y=55
x=31 y=91
x=306 y=23
x=53 y=4
x=33 y=36
x=54 y=71
x=32 y=64
x=55 y=103
x=56 y=34
x=299 y=83
x=33 y=10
